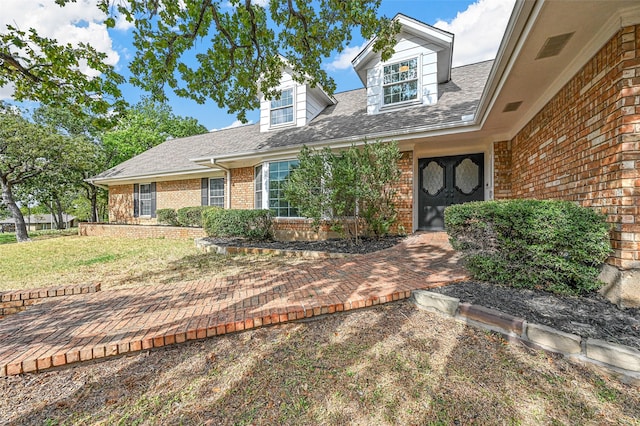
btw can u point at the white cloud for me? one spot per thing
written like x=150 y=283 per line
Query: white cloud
x=76 y=22
x=478 y=30
x=236 y=123
x=122 y=24
x=344 y=58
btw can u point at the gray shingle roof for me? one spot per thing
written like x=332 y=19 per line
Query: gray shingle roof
x=346 y=120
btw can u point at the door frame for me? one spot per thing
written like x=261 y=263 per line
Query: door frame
x=418 y=153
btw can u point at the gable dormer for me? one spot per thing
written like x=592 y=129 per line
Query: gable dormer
x=421 y=61
x=298 y=104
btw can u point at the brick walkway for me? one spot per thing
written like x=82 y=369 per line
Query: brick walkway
x=70 y=329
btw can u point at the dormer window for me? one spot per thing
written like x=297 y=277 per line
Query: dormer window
x=401 y=82
x=282 y=109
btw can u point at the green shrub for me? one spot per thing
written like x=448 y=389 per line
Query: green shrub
x=252 y=224
x=353 y=190
x=192 y=216
x=167 y=217
x=555 y=246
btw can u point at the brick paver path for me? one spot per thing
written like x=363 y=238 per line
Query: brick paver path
x=65 y=330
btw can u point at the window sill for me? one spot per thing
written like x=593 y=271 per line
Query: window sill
x=281 y=126
x=400 y=105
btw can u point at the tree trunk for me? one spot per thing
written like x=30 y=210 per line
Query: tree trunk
x=94 y=204
x=59 y=218
x=92 y=196
x=7 y=199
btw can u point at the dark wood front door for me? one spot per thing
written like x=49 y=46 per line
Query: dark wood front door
x=444 y=181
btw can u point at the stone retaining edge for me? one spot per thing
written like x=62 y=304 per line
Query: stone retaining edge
x=12 y=302
x=218 y=249
x=622 y=360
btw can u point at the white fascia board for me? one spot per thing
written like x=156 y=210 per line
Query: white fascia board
x=435 y=35
x=431 y=34
x=150 y=177
x=522 y=20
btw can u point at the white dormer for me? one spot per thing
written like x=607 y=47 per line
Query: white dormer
x=421 y=61
x=297 y=106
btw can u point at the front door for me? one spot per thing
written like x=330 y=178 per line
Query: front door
x=444 y=181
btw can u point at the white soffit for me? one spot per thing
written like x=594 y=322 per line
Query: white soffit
x=535 y=81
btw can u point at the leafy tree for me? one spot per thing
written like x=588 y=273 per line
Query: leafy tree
x=354 y=186
x=42 y=70
x=88 y=158
x=27 y=151
x=146 y=125
x=243 y=45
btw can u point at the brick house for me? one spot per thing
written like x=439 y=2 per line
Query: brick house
x=556 y=115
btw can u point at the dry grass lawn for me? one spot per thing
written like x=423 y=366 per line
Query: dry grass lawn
x=390 y=364
x=117 y=262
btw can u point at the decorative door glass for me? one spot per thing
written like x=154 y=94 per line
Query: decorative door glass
x=433 y=178
x=467 y=176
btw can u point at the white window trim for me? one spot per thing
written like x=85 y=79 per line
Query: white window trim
x=418 y=80
x=224 y=184
x=265 y=185
x=263 y=191
x=293 y=105
x=140 y=215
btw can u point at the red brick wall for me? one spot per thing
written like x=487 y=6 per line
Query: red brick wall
x=121 y=203
x=176 y=194
x=169 y=194
x=502 y=167
x=404 y=196
x=286 y=229
x=242 y=188
x=584 y=145
x=138 y=231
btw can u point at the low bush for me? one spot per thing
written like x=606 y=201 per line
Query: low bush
x=555 y=246
x=252 y=224
x=167 y=217
x=192 y=216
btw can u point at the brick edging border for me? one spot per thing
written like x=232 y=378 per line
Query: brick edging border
x=198 y=331
x=15 y=301
x=311 y=254
x=621 y=360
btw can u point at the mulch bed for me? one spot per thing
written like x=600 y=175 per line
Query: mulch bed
x=587 y=316
x=365 y=245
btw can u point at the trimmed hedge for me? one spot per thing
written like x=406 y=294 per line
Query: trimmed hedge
x=192 y=216
x=252 y=224
x=555 y=246
x=167 y=217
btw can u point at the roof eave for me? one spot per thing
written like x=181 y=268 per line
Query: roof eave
x=519 y=25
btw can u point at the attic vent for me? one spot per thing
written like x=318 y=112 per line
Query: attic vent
x=554 y=45
x=512 y=106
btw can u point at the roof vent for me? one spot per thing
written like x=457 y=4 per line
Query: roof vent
x=554 y=45
x=512 y=106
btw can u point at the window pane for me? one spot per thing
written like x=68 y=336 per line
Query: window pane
x=145 y=199
x=282 y=109
x=400 y=82
x=216 y=192
x=278 y=173
x=286 y=99
x=257 y=184
x=282 y=115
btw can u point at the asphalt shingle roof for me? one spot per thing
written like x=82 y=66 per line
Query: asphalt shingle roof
x=346 y=120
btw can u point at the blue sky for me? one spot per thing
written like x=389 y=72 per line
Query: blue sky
x=478 y=26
